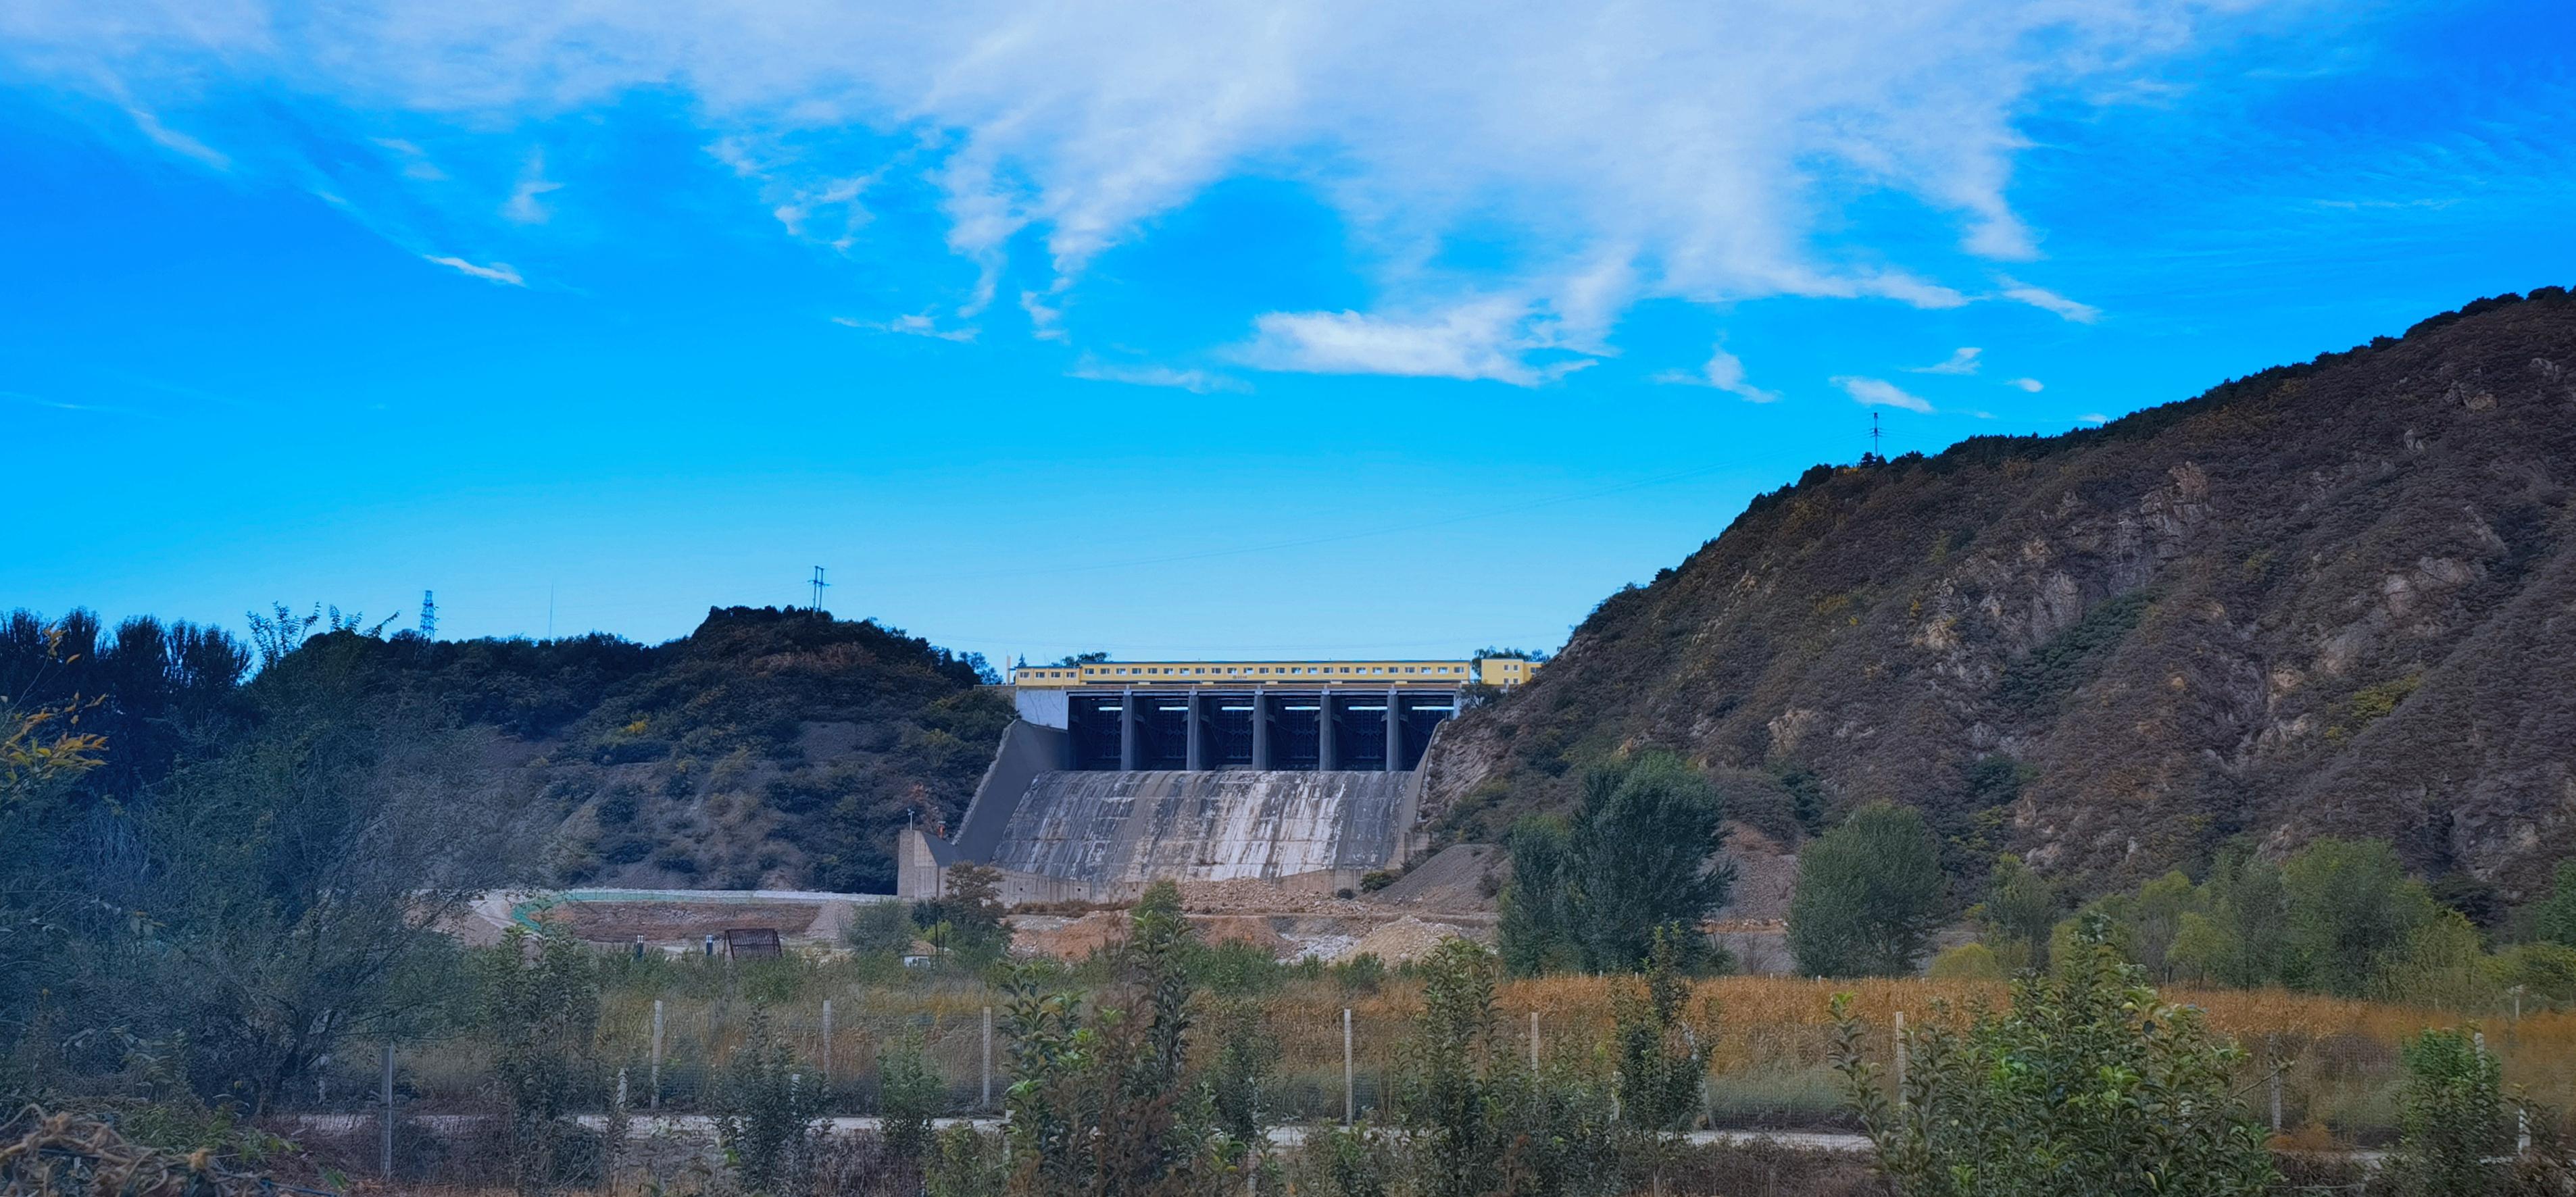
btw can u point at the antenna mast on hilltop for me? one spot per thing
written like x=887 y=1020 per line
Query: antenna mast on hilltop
x=1873 y=437
x=819 y=584
x=428 y=615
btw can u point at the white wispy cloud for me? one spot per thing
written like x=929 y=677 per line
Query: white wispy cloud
x=919 y=324
x=499 y=272
x=1483 y=339
x=1046 y=322
x=1725 y=372
x=415 y=160
x=177 y=142
x=2050 y=301
x=2094 y=417
x=1685 y=149
x=522 y=206
x=2032 y=385
x=1878 y=392
x=1197 y=382
x=1962 y=360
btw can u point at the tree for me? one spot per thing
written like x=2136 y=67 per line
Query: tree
x=1640 y=856
x=2554 y=918
x=1097 y=1102
x=765 y=1112
x=2018 y=913
x=1870 y=893
x=2351 y=911
x=298 y=876
x=1536 y=928
x=538 y=998
x=1476 y=1120
x=881 y=929
x=2246 y=938
x=1663 y=1053
x=967 y=917
x=2088 y=1084
x=2453 y=1130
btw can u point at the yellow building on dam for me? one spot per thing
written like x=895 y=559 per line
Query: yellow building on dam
x=1491 y=671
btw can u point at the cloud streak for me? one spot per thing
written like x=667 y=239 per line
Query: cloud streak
x=1724 y=372
x=1878 y=392
x=1962 y=360
x=1197 y=382
x=498 y=272
x=2051 y=302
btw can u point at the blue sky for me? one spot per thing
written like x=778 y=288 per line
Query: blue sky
x=1187 y=329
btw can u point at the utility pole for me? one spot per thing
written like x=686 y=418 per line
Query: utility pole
x=819 y=584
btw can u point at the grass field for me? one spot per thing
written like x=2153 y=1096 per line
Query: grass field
x=2338 y=1058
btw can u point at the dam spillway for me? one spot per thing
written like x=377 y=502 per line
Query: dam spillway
x=1121 y=829
x=1115 y=776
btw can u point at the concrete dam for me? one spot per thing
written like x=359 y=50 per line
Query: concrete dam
x=1116 y=776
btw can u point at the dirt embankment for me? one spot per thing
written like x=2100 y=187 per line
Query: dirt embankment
x=665 y=922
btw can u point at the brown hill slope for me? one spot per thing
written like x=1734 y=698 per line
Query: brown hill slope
x=2330 y=598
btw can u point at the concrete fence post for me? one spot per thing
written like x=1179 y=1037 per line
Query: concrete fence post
x=2272 y=1050
x=825 y=1062
x=985 y=1102
x=1350 y=1088
x=1900 y=1059
x=1533 y=1041
x=653 y=1078
x=385 y=1143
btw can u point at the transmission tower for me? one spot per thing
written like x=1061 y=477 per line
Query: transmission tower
x=428 y=615
x=819 y=585
x=1873 y=437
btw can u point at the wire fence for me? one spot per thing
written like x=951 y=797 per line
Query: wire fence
x=670 y=1057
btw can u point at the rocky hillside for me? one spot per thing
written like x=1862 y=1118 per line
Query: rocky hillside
x=768 y=748
x=2338 y=597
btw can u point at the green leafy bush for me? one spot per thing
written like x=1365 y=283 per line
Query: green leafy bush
x=1870 y=893
x=2088 y=1084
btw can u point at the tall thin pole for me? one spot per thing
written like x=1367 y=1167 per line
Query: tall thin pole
x=985 y=1102
x=827 y=1047
x=653 y=1100
x=1533 y=1041
x=385 y=1146
x=1900 y=1057
x=2272 y=1044
x=1350 y=1090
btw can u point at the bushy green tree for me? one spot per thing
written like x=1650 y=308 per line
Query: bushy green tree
x=2554 y=918
x=2352 y=909
x=1640 y=854
x=1870 y=893
x=2020 y=909
x=2088 y=1084
x=881 y=929
x=1536 y=928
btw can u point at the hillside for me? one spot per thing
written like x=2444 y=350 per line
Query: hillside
x=2338 y=597
x=767 y=748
